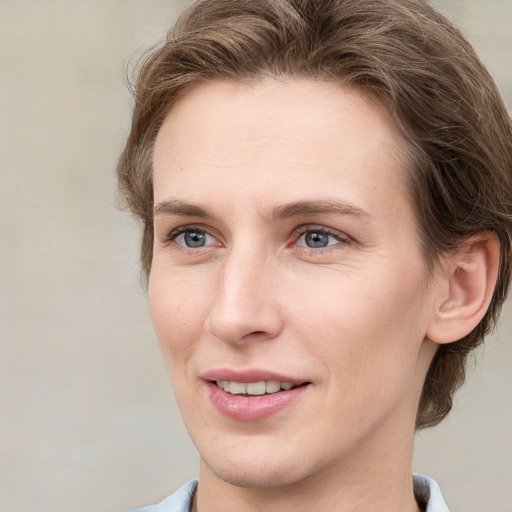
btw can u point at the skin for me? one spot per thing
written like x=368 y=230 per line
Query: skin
x=351 y=318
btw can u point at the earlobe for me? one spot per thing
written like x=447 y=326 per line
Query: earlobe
x=465 y=286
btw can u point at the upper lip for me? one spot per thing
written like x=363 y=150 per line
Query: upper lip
x=249 y=375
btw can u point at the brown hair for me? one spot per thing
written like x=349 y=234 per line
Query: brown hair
x=403 y=52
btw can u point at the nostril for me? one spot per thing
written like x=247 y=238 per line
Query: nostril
x=254 y=333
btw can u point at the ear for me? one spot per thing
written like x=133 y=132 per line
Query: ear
x=464 y=286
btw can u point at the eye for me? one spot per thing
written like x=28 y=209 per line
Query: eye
x=192 y=238
x=318 y=239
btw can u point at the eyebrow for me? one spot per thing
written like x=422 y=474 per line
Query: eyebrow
x=322 y=207
x=285 y=211
x=181 y=208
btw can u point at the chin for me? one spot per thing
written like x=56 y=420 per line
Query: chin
x=254 y=477
x=258 y=465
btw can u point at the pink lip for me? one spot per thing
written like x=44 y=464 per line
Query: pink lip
x=254 y=375
x=255 y=408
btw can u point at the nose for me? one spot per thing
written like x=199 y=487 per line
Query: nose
x=245 y=306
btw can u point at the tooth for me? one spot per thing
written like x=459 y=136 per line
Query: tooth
x=237 y=388
x=222 y=384
x=256 y=388
x=272 y=386
x=253 y=388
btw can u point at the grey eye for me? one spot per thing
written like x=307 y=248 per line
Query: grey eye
x=194 y=239
x=316 y=240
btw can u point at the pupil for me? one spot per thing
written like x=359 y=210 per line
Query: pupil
x=194 y=239
x=316 y=240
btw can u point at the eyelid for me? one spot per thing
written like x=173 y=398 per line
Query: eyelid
x=305 y=228
x=176 y=232
x=341 y=237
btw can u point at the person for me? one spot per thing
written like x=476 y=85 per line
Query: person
x=325 y=196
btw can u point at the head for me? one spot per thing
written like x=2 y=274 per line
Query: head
x=404 y=56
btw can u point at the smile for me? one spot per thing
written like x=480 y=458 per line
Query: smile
x=256 y=400
x=254 y=388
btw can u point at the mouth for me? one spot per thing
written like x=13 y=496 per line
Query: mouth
x=253 y=400
x=259 y=388
x=253 y=394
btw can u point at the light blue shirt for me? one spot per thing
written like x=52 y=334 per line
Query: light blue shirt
x=425 y=490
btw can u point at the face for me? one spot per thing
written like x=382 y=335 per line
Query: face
x=287 y=289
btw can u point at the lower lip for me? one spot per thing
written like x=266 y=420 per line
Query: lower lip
x=255 y=408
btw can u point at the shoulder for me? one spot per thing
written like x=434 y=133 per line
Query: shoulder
x=179 y=501
x=428 y=494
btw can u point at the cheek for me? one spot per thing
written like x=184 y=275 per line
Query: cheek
x=363 y=324
x=361 y=301
x=178 y=308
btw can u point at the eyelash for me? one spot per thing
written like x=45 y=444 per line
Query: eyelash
x=301 y=231
x=175 y=233
x=341 y=239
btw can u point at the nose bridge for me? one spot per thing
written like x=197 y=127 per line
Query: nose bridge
x=245 y=301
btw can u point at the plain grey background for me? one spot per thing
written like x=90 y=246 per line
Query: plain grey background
x=87 y=417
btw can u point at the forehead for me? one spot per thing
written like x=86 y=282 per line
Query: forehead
x=296 y=136
x=279 y=106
